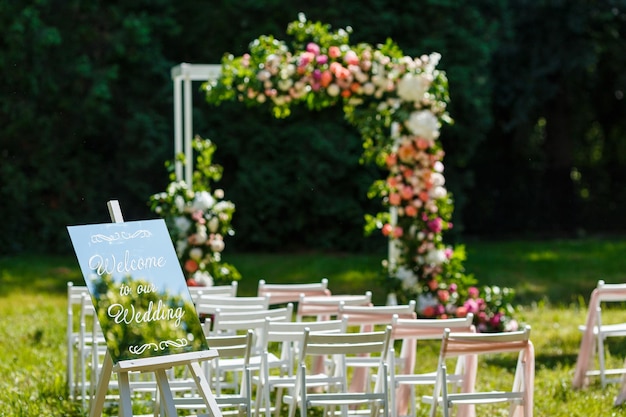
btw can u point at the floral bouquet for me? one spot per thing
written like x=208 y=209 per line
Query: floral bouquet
x=198 y=219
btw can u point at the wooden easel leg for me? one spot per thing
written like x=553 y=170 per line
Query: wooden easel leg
x=166 y=393
x=126 y=405
x=205 y=389
x=97 y=402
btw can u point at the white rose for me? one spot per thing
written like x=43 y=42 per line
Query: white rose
x=179 y=202
x=203 y=201
x=412 y=87
x=333 y=90
x=285 y=84
x=436 y=257
x=423 y=123
x=214 y=223
x=182 y=224
x=195 y=254
x=438 y=192
x=217 y=245
x=181 y=245
x=437 y=179
x=203 y=278
x=223 y=206
x=369 y=89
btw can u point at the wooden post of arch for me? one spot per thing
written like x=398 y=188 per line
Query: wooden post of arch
x=182 y=76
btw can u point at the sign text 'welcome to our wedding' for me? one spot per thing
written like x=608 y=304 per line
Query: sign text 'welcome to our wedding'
x=138 y=289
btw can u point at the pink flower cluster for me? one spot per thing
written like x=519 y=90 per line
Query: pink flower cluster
x=335 y=71
x=489 y=316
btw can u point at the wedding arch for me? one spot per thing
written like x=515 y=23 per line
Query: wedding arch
x=398 y=104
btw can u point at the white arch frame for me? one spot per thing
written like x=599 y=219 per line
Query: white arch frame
x=182 y=76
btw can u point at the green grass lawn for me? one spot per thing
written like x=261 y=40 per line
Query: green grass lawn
x=553 y=280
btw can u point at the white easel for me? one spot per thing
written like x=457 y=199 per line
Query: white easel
x=158 y=365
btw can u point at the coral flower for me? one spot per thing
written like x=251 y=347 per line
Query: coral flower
x=334 y=52
x=429 y=311
x=406 y=192
x=394 y=199
x=191 y=266
x=410 y=211
x=461 y=312
x=326 y=78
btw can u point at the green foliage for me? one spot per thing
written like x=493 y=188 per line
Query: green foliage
x=198 y=219
x=82 y=119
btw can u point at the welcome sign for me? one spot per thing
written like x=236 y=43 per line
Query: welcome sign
x=138 y=289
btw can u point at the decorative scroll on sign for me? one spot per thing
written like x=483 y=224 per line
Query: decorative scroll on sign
x=138 y=289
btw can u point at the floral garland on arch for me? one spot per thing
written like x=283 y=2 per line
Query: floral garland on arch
x=398 y=104
x=198 y=219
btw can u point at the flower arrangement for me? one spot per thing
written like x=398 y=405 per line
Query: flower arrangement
x=398 y=103
x=198 y=219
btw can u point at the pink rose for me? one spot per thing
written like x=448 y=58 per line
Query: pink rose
x=435 y=225
x=473 y=292
x=351 y=58
x=313 y=48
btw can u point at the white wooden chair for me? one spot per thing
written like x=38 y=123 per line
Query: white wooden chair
x=229 y=290
x=519 y=395
x=367 y=319
x=331 y=389
x=75 y=295
x=278 y=374
x=290 y=293
x=327 y=307
x=234 y=354
x=405 y=374
x=592 y=360
x=229 y=323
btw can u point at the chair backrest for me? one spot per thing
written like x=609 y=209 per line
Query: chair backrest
x=473 y=345
x=368 y=316
x=290 y=293
x=345 y=344
x=609 y=293
x=229 y=290
x=209 y=304
x=326 y=307
x=428 y=329
x=288 y=336
x=225 y=322
x=466 y=343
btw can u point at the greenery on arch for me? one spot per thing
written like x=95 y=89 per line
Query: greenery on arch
x=398 y=104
